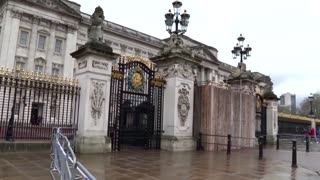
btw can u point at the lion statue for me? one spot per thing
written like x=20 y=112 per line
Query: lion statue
x=95 y=31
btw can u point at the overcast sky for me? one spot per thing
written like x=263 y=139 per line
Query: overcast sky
x=284 y=34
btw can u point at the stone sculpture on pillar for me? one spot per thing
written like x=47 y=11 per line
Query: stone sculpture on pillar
x=95 y=31
x=94 y=63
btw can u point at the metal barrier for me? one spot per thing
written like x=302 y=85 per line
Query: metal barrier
x=224 y=141
x=303 y=142
x=64 y=163
x=212 y=142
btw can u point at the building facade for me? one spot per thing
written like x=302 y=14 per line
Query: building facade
x=40 y=35
x=288 y=103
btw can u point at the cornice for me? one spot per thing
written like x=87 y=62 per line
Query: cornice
x=122 y=31
x=67 y=10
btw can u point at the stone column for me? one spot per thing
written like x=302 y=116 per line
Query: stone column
x=10 y=38
x=71 y=46
x=272 y=121
x=93 y=70
x=178 y=69
x=33 y=43
x=203 y=75
x=52 y=44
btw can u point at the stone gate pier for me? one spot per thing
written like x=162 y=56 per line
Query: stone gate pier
x=94 y=63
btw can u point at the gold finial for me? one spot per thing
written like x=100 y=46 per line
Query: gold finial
x=59 y=79
x=73 y=82
x=32 y=75
x=56 y=79
x=40 y=76
x=12 y=72
x=18 y=68
x=1 y=70
x=70 y=81
x=49 y=78
x=77 y=82
x=66 y=81
x=7 y=71
x=22 y=74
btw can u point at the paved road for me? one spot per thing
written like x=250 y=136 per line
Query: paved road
x=163 y=165
x=158 y=165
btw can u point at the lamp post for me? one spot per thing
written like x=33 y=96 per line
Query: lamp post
x=240 y=50
x=177 y=18
x=311 y=114
x=311 y=99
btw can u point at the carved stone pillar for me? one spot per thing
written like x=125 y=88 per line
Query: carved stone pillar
x=94 y=63
x=33 y=43
x=10 y=37
x=51 y=50
x=272 y=117
x=177 y=66
x=71 y=45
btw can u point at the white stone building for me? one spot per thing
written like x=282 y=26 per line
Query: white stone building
x=288 y=103
x=40 y=35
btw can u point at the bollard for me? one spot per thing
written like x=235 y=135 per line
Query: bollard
x=294 y=154
x=229 y=145
x=199 y=142
x=260 y=147
x=307 y=143
x=278 y=139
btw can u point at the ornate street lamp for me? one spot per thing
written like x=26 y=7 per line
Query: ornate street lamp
x=177 y=18
x=240 y=50
x=311 y=99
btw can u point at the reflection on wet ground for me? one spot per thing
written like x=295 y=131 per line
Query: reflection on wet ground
x=191 y=165
x=152 y=165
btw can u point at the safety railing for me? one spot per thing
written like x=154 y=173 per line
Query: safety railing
x=214 y=142
x=64 y=163
x=304 y=142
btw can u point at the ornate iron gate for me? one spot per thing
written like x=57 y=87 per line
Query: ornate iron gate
x=261 y=117
x=135 y=114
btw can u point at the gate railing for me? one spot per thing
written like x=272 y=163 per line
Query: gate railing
x=64 y=162
x=216 y=142
x=31 y=104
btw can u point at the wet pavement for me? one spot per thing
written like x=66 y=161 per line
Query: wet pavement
x=155 y=165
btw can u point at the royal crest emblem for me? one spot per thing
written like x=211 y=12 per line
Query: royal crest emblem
x=136 y=79
x=183 y=105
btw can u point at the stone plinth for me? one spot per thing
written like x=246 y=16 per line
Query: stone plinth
x=178 y=143
x=93 y=70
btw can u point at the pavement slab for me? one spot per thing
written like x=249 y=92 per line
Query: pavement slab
x=164 y=165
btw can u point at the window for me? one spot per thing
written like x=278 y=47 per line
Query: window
x=36 y=113
x=24 y=35
x=20 y=65
x=56 y=69
x=42 y=42
x=20 y=62
x=38 y=68
x=58 y=46
x=39 y=65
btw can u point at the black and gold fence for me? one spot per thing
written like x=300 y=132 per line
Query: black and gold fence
x=31 y=104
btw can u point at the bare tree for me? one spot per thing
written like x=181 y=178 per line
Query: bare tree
x=304 y=109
